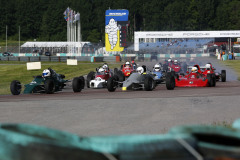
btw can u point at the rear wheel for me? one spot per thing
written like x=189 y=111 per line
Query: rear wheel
x=49 y=86
x=120 y=76
x=77 y=84
x=15 y=87
x=90 y=77
x=170 y=81
x=223 y=75
x=111 y=84
x=148 y=84
x=82 y=82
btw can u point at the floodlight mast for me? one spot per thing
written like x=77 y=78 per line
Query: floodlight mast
x=73 y=31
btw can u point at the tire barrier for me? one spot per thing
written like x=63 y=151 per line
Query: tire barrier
x=23 y=141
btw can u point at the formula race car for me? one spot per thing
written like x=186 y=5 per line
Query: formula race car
x=210 y=69
x=175 y=66
x=99 y=78
x=136 y=81
x=125 y=70
x=159 y=74
x=192 y=79
x=49 y=82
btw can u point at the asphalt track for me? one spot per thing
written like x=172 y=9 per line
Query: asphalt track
x=99 y=112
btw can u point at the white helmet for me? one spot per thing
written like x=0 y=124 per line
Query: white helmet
x=127 y=63
x=208 y=66
x=101 y=70
x=194 y=69
x=169 y=60
x=157 y=67
x=46 y=73
x=140 y=70
x=105 y=67
x=175 y=61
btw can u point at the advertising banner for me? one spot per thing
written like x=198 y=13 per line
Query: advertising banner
x=116 y=22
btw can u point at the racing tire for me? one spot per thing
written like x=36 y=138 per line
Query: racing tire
x=223 y=75
x=15 y=87
x=77 y=84
x=170 y=81
x=115 y=70
x=90 y=77
x=210 y=80
x=120 y=76
x=111 y=84
x=82 y=82
x=173 y=73
x=214 y=80
x=148 y=84
x=49 y=86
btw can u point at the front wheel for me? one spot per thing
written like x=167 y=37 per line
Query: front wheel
x=111 y=84
x=49 y=86
x=149 y=84
x=15 y=87
x=77 y=84
x=170 y=81
x=210 y=80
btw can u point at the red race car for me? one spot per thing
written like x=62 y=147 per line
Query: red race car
x=175 y=66
x=193 y=79
x=210 y=69
x=125 y=71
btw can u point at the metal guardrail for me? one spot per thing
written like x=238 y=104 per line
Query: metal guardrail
x=44 y=59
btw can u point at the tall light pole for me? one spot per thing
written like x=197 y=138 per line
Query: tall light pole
x=6 y=38
x=19 y=41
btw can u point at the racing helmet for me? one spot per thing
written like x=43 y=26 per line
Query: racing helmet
x=157 y=67
x=46 y=73
x=208 y=66
x=175 y=61
x=133 y=61
x=127 y=64
x=101 y=70
x=105 y=67
x=169 y=60
x=194 y=69
x=140 y=70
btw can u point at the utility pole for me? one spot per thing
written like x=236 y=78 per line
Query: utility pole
x=6 y=38
x=19 y=41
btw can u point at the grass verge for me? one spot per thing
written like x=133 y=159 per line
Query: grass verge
x=10 y=71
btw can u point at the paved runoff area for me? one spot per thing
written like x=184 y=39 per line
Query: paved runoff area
x=99 y=112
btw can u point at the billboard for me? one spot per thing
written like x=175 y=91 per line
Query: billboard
x=116 y=22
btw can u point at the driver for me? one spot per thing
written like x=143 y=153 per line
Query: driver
x=105 y=67
x=101 y=71
x=194 y=69
x=127 y=64
x=157 y=67
x=208 y=66
x=140 y=70
x=175 y=62
x=46 y=73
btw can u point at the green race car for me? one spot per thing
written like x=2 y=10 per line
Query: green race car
x=49 y=82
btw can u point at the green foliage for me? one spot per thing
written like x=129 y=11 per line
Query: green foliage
x=43 y=19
